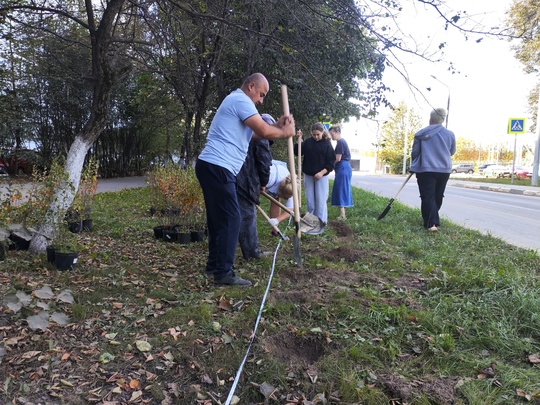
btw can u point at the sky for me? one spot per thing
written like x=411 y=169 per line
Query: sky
x=490 y=88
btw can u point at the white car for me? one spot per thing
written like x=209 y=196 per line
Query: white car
x=495 y=171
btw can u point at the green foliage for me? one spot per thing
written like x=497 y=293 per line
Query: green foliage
x=177 y=195
x=522 y=21
x=28 y=203
x=84 y=199
x=397 y=136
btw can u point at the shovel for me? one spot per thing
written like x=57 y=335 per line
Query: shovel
x=383 y=214
x=277 y=202
x=265 y=215
x=290 y=149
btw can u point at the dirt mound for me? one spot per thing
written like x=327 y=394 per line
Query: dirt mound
x=297 y=349
x=440 y=391
x=341 y=229
x=347 y=253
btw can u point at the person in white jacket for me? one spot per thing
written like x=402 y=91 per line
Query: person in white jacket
x=279 y=186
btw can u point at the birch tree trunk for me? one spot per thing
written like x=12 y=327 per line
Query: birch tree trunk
x=107 y=70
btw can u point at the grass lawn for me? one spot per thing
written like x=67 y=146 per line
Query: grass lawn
x=382 y=312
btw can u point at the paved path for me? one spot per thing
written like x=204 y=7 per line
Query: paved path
x=121 y=183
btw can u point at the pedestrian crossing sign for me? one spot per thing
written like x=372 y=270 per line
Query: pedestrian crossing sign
x=516 y=126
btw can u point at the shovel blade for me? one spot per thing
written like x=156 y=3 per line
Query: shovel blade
x=296 y=248
x=383 y=214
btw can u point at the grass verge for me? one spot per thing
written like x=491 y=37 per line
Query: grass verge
x=381 y=312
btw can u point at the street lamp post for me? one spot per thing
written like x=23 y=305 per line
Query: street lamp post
x=448 y=102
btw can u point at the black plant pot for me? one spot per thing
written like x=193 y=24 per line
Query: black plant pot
x=50 y=254
x=65 y=260
x=87 y=225
x=184 y=238
x=197 y=236
x=19 y=243
x=75 y=227
x=158 y=231
x=170 y=235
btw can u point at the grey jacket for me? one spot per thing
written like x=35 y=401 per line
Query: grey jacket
x=432 y=150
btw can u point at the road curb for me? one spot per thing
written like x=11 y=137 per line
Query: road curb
x=500 y=189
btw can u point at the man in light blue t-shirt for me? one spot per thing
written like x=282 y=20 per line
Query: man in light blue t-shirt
x=220 y=161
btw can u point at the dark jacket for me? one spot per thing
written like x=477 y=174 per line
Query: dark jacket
x=255 y=172
x=317 y=155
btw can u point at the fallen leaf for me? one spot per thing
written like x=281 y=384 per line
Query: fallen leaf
x=66 y=383
x=206 y=380
x=533 y=359
x=65 y=356
x=66 y=296
x=30 y=354
x=44 y=293
x=39 y=321
x=117 y=305
x=106 y=357
x=135 y=384
x=225 y=304
x=267 y=390
x=24 y=298
x=143 y=345
x=60 y=318
x=523 y=394
x=15 y=306
x=135 y=396
x=43 y=305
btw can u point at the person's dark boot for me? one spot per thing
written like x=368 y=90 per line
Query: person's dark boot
x=232 y=279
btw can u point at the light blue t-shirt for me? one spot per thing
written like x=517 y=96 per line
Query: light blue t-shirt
x=228 y=137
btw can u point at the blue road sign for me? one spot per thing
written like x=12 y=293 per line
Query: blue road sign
x=516 y=126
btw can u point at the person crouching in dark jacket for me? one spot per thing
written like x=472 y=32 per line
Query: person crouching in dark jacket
x=254 y=174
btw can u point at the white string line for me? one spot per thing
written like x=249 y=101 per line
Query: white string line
x=259 y=315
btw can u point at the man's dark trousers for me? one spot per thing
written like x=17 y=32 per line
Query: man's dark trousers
x=222 y=214
x=431 y=186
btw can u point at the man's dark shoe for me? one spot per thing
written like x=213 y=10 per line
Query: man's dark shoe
x=232 y=279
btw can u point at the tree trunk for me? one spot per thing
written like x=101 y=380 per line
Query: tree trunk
x=63 y=196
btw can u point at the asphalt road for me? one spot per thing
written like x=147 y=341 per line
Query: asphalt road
x=120 y=183
x=508 y=213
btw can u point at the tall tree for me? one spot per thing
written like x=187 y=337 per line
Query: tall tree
x=524 y=24
x=108 y=65
x=396 y=138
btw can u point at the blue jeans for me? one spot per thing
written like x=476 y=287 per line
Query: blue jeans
x=222 y=215
x=316 y=196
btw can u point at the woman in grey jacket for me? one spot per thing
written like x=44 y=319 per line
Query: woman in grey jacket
x=431 y=160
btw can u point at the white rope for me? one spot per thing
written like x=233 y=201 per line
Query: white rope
x=259 y=315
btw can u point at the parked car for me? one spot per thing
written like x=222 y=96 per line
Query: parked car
x=463 y=169
x=495 y=171
x=523 y=172
x=481 y=168
x=19 y=161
